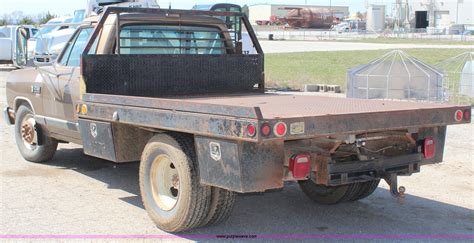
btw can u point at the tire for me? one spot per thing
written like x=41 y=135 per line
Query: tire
x=366 y=189
x=222 y=203
x=329 y=195
x=33 y=152
x=174 y=205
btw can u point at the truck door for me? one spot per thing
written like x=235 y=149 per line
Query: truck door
x=62 y=82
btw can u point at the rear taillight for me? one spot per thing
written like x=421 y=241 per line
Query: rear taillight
x=280 y=129
x=467 y=115
x=300 y=166
x=251 y=130
x=458 y=115
x=266 y=130
x=429 y=148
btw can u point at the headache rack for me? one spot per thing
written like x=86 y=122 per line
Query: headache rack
x=174 y=59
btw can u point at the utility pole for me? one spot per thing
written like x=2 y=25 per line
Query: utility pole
x=330 y=9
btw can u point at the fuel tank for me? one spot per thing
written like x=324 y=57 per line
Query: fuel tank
x=317 y=18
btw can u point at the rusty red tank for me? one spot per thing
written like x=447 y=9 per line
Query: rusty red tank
x=318 y=18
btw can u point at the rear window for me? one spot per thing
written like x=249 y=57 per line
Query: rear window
x=156 y=39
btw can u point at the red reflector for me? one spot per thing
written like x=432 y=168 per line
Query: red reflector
x=266 y=130
x=280 y=129
x=251 y=130
x=429 y=148
x=300 y=166
x=467 y=115
x=458 y=115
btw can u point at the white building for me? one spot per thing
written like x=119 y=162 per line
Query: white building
x=441 y=14
x=264 y=12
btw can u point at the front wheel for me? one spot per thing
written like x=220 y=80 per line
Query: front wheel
x=32 y=143
x=169 y=184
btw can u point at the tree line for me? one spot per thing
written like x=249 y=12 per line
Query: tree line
x=18 y=18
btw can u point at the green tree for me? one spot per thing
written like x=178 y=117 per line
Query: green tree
x=45 y=18
x=26 y=21
x=3 y=22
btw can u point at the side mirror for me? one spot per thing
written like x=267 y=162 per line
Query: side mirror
x=21 y=50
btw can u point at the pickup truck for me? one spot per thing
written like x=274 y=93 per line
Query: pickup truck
x=175 y=90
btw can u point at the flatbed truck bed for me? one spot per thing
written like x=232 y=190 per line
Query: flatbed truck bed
x=322 y=115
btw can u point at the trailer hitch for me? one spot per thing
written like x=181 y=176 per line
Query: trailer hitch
x=395 y=191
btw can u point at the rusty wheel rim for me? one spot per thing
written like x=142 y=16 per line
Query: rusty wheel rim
x=28 y=132
x=164 y=179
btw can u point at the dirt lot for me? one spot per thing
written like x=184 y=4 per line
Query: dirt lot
x=77 y=194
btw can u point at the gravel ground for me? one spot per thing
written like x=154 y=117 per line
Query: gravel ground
x=77 y=194
x=310 y=46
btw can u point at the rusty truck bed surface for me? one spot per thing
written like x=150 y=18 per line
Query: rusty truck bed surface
x=271 y=106
x=275 y=106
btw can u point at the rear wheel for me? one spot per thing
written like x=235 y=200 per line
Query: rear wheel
x=366 y=189
x=169 y=184
x=222 y=203
x=32 y=143
x=329 y=194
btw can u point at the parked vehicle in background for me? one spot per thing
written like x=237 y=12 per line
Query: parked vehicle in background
x=350 y=25
x=56 y=34
x=274 y=20
x=46 y=47
x=52 y=25
x=12 y=50
x=222 y=7
x=232 y=22
x=49 y=46
x=98 y=6
x=200 y=123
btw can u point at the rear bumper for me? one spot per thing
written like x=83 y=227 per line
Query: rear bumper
x=9 y=116
x=334 y=174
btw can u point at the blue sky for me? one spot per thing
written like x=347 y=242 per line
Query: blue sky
x=63 y=7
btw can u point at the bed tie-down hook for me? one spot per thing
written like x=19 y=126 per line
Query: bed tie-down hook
x=395 y=191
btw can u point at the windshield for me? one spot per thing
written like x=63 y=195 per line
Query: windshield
x=47 y=29
x=79 y=16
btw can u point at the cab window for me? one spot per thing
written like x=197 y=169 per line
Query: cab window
x=156 y=39
x=75 y=47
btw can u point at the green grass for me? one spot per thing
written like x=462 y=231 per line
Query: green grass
x=293 y=70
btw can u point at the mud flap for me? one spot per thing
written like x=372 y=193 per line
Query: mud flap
x=111 y=141
x=97 y=139
x=240 y=166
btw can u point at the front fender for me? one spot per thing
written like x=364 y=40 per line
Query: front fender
x=19 y=89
